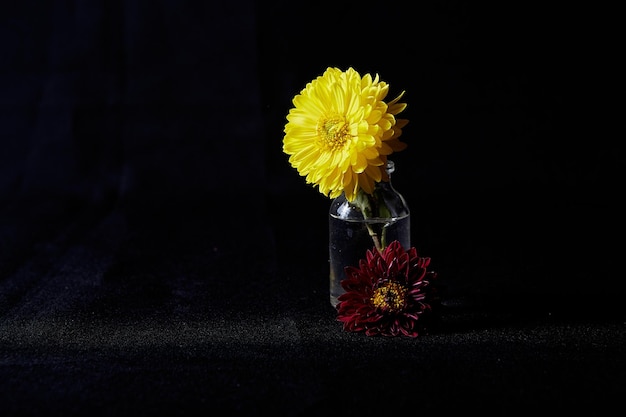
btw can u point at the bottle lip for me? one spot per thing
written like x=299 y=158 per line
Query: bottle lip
x=390 y=167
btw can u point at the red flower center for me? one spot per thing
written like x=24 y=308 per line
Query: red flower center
x=391 y=296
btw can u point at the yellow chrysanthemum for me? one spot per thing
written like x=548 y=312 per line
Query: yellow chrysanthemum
x=341 y=131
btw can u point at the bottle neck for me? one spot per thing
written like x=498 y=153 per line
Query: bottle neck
x=390 y=167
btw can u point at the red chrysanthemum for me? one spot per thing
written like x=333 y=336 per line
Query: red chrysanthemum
x=388 y=294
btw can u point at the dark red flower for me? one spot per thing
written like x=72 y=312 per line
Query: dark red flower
x=388 y=294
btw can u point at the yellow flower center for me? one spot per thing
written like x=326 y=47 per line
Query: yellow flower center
x=334 y=131
x=390 y=297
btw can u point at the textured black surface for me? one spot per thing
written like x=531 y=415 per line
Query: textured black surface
x=158 y=256
x=161 y=318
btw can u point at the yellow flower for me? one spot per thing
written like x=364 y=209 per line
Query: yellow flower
x=340 y=132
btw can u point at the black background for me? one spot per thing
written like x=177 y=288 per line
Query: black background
x=159 y=255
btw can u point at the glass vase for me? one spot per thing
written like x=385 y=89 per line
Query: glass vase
x=367 y=223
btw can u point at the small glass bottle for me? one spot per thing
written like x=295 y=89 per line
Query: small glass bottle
x=352 y=232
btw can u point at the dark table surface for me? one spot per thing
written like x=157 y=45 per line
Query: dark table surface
x=170 y=312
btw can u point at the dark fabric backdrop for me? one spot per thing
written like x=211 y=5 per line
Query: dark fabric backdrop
x=159 y=255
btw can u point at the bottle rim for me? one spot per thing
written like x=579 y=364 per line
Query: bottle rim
x=390 y=167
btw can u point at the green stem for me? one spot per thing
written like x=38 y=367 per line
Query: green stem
x=378 y=243
x=370 y=205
